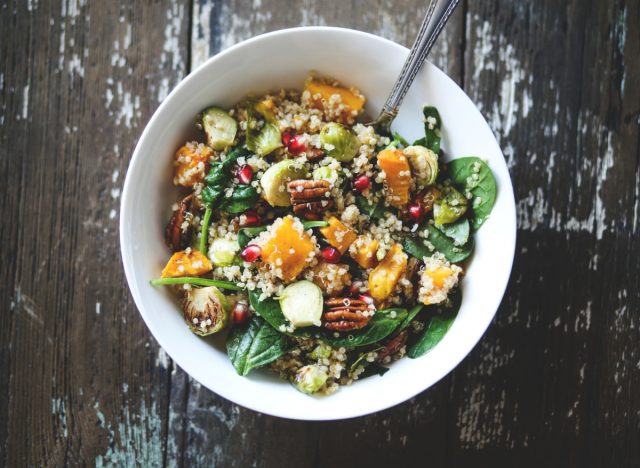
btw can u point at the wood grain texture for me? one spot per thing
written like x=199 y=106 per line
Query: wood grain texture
x=554 y=381
x=79 y=380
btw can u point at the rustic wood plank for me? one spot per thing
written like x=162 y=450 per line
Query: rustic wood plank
x=78 y=373
x=553 y=380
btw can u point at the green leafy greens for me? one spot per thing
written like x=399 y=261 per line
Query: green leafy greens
x=475 y=177
x=432 y=126
x=416 y=247
x=437 y=326
x=255 y=346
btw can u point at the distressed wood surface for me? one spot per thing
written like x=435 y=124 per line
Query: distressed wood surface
x=555 y=379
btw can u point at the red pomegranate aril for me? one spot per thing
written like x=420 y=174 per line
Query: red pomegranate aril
x=249 y=219
x=245 y=174
x=251 y=253
x=416 y=212
x=331 y=255
x=240 y=314
x=362 y=183
x=286 y=138
x=297 y=144
x=366 y=299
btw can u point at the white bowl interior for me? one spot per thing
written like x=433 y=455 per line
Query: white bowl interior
x=283 y=60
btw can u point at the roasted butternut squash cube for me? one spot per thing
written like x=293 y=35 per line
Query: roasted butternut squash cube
x=187 y=263
x=353 y=101
x=437 y=279
x=384 y=277
x=397 y=176
x=363 y=251
x=190 y=164
x=338 y=235
x=287 y=250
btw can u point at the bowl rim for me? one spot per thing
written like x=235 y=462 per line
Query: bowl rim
x=124 y=241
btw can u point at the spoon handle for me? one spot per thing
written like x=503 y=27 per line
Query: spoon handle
x=437 y=15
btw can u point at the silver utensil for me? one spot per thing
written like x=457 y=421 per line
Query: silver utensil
x=436 y=17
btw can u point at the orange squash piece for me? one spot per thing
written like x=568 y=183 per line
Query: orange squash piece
x=398 y=175
x=288 y=249
x=384 y=277
x=183 y=263
x=353 y=101
x=364 y=252
x=190 y=164
x=338 y=235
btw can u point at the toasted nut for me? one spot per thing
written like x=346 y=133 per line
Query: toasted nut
x=393 y=346
x=178 y=236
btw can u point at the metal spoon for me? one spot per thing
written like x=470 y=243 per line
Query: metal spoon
x=437 y=16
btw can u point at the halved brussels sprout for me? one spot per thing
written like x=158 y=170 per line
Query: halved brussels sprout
x=219 y=126
x=275 y=179
x=339 y=142
x=424 y=164
x=222 y=252
x=309 y=379
x=206 y=310
x=326 y=173
x=322 y=351
x=450 y=206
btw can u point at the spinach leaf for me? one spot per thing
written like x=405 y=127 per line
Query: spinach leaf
x=432 y=126
x=373 y=369
x=475 y=177
x=242 y=198
x=255 y=346
x=361 y=358
x=458 y=231
x=420 y=142
x=372 y=210
x=415 y=245
x=246 y=234
x=410 y=316
x=269 y=309
x=437 y=327
x=218 y=176
x=380 y=326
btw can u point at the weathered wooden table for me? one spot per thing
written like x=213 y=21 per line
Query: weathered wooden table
x=555 y=381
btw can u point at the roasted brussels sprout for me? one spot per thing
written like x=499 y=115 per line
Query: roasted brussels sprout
x=424 y=164
x=450 y=206
x=275 y=179
x=309 y=379
x=222 y=252
x=206 y=310
x=326 y=173
x=339 y=142
x=219 y=126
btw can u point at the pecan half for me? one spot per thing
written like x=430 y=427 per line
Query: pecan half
x=310 y=197
x=345 y=314
x=393 y=345
x=177 y=234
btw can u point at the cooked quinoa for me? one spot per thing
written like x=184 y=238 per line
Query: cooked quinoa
x=324 y=249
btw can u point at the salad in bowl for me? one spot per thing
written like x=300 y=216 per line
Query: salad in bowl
x=324 y=250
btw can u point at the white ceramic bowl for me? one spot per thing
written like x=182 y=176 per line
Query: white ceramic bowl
x=283 y=59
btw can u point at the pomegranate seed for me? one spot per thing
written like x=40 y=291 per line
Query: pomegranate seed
x=251 y=253
x=331 y=255
x=286 y=138
x=245 y=174
x=355 y=288
x=416 y=212
x=362 y=183
x=366 y=299
x=249 y=219
x=297 y=144
x=240 y=314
